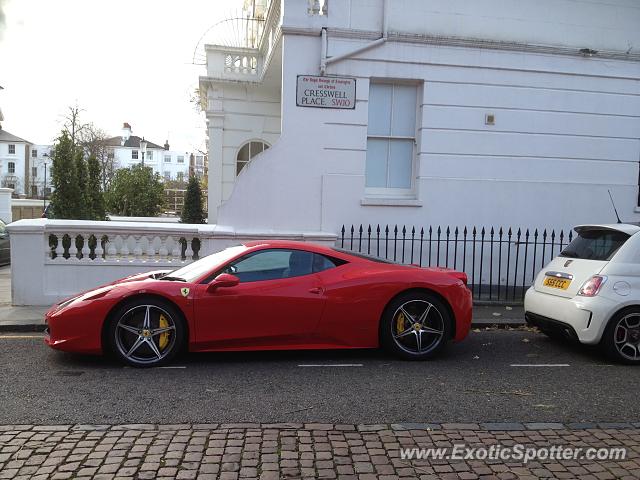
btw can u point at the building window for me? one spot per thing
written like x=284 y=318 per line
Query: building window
x=34 y=153
x=180 y=158
x=12 y=167
x=12 y=149
x=199 y=160
x=134 y=154
x=167 y=159
x=149 y=156
x=34 y=171
x=391 y=137
x=167 y=175
x=180 y=176
x=247 y=152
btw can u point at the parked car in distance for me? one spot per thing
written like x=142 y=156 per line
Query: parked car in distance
x=5 y=245
x=267 y=295
x=591 y=291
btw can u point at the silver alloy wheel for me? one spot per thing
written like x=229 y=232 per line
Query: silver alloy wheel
x=626 y=336
x=417 y=326
x=138 y=334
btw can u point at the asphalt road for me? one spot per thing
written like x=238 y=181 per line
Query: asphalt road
x=474 y=381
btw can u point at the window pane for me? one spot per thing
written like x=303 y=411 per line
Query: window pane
x=380 y=109
x=400 y=163
x=376 y=168
x=404 y=111
x=256 y=148
x=243 y=154
x=273 y=264
x=322 y=263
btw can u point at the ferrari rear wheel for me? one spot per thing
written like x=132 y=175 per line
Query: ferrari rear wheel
x=146 y=333
x=415 y=326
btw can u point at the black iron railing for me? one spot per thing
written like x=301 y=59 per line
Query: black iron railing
x=500 y=262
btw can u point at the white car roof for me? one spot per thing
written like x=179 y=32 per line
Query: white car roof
x=627 y=228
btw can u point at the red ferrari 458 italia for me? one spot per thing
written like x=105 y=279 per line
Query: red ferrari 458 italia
x=266 y=296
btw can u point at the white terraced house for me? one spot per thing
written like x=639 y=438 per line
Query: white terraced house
x=321 y=114
x=14 y=162
x=127 y=151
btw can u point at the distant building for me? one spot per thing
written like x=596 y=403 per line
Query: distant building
x=169 y=164
x=14 y=154
x=39 y=165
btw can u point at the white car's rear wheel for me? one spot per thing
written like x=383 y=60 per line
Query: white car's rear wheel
x=621 y=339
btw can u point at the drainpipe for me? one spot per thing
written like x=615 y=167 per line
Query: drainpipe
x=326 y=61
x=323 y=58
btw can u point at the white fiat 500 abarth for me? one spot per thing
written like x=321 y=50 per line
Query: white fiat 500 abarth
x=591 y=291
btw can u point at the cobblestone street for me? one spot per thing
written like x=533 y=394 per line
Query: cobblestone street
x=273 y=451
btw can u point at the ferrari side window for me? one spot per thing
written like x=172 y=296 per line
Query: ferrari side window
x=273 y=264
x=322 y=263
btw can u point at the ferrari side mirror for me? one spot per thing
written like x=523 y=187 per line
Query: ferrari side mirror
x=223 y=280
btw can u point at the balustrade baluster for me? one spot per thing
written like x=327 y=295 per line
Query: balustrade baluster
x=189 y=251
x=98 y=251
x=86 y=250
x=73 y=250
x=124 y=250
x=151 y=250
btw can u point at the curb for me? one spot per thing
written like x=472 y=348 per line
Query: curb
x=486 y=427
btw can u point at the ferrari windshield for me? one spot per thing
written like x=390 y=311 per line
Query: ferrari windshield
x=197 y=269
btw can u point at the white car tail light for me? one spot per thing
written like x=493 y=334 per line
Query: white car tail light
x=592 y=286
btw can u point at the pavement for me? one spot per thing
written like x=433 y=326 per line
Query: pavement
x=31 y=319
x=294 y=451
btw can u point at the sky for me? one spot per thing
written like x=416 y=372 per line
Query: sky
x=119 y=61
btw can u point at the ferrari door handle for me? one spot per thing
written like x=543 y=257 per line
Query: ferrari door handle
x=316 y=290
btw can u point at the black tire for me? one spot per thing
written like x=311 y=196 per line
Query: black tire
x=401 y=339
x=613 y=339
x=126 y=328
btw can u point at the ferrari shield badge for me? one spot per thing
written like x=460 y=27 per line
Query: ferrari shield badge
x=184 y=291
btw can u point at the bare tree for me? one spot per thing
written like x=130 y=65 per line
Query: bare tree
x=94 y=142
x=73 y=125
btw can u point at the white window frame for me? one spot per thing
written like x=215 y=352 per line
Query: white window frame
x=265 y=146
x=149 y=155
x=391 y=192
x=134 y=154
x=180 y=159
x=11 y=168
x=12 y=146
x=34 y=153
x=167 y=159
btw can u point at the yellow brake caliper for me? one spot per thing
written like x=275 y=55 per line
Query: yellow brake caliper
x=400 y=323
x=164 y=337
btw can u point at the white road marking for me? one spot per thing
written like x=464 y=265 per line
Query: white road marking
x=172 y=367
x=540 y=365
x=20 y=336
x=330 y=365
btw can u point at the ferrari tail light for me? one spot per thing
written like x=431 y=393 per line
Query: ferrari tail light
x=591 y=287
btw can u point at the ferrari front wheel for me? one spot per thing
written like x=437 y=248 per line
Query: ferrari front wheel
x=415 y=326
x=146 y=333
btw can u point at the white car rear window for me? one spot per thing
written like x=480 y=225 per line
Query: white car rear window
x=595 y=244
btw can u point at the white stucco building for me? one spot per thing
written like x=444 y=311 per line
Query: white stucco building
x=494 y=113
x=169 y=164
x=14 y=161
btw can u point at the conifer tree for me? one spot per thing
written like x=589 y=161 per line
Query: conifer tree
x=193 y=211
